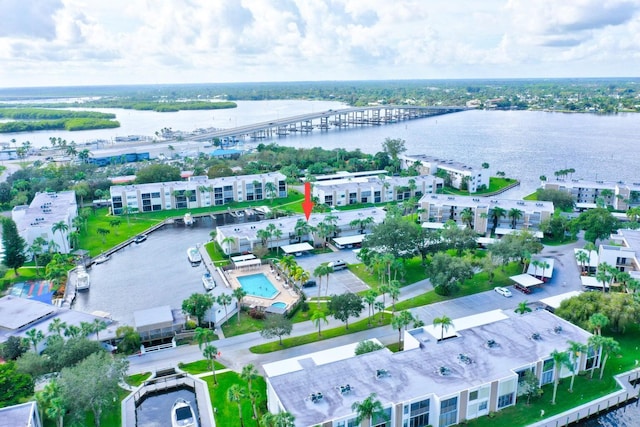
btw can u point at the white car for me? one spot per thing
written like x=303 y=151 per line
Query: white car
x=503 y=291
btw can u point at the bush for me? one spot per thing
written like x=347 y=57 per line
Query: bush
x=189 y=325
x=257 y=314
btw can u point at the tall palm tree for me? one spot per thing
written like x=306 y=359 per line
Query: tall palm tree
x=394 y=293
x=248 y=374
x=444 y=322
x=589 y=247
x=229 y=241
x=368 y=409
x=379 y=306
x=495 y=215
x=72 y=331
x=370 y=298
x=544 y=265
x=514 y=214
x=239 y=294
x=317 y=318
x=399 y=322
x=224 y=300
x=37 y=247
x=34 y=336
x=319 y=272
x=583 y=258
x=210 y=352
x=97 y=326
x=597 y=321
x=466 y=216
x=57 y=326
x=575 y=349
x=560 y=359
x=270 y=190
x=203 y=336
x=235 y=394
x=61 y=227
x=603 y=276
x=608 y=345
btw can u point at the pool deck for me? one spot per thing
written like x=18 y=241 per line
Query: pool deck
x=285 y=293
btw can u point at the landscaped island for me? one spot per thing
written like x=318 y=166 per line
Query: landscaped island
x=34 y=119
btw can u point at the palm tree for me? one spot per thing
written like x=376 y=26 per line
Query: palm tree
x=210 y=352
x=544 y=265
x=394 y=293
x=248 y=374
x=603 y=276
x=583 y=258
x=281 y=419
x=236 y=394
x=36 y=249
x=286 y=263
x=466 y=216
x=598 y=321
x=61 y=227
x=368 y=409
x=608 y=345
x=264 y=236
x=496 y=214
x=514 y=214
x=319 y=272
x=72 y=331
x=228 y=241
x=575 y=349
x=57 y=326
x=103 y=233
x=370 y=298
x=317 y=318
x=34 y=336
x=224 y=300
x=560 y=359
x=379 y=306
x=402 y=320
x=203 y=336
x=444 y=322
x=523 y=307
x=383 y=289
x=239 y=294
x=97 y=326
x=270 y=190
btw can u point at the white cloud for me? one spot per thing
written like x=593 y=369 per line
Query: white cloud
x=138 y=41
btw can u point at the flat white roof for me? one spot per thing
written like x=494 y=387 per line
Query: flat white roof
x=152 y=316
x=554 y=301
x=593 y=257
x=240 y=258
x=502 y=231
x=318 y=358
x=486 y=240
x=526 y=280
x=439 y=225
x=349 y=240
x=591 y=282
x=248 y=262
x=297 y=247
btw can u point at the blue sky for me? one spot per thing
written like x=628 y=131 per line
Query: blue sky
x=86 y=42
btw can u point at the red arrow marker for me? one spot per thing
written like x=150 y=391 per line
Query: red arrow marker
x=307 y=205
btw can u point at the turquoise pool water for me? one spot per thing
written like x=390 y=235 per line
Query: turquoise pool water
x=258 y=285
x=279 y=304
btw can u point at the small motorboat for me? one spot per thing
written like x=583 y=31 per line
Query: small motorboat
x=140 y=238
x=193 y=254
x=188 y=219
x=83 y=280
x=101 y=259
x=208 y=282
x=182 y=414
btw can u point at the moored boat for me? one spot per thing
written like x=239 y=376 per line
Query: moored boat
x=182 y=414
x=140 y=238
x=188 y=219
x=194 y=256
x=83 y=280
x=101 y=259
x=208 y=282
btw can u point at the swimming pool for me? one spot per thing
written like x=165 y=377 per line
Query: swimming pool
x=258 y=285
x=279 y=304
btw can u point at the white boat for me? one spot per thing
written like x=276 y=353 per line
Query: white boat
x=140 y=238
x=101 y=259
x=188 y=219
x=182 y=414
x=208 y=282
x=194 y=256
x=83 y=280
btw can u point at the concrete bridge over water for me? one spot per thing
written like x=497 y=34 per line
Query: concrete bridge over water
x=325 y=120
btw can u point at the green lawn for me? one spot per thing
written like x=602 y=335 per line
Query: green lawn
x=495 y=184
x=226 y=413
x=358 y=326
x=199 y=366
x=247 y=324
x=414 y=272
x=137 y=379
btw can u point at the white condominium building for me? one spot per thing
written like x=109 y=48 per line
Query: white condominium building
x=509 y=214
x=197 y=192
x=586 y=193
x=374 y=189
x=460 y=174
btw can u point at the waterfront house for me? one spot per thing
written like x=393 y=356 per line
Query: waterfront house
x=586 y=193
x=475 y=178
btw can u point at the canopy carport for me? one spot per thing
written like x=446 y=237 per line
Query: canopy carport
x=297 y=248
x=348 y=241
x=525 y=282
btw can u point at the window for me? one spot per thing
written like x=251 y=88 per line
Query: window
x=505 y=400
x=473 y=395
x=547 y=372
x=382 y=421
x=419 y=416
x=448 y=412
x=348 y=423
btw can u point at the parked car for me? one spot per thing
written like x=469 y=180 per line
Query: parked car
x=309 y=284
x=338 y=265
x=503 y=291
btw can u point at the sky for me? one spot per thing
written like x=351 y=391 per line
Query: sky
x=95 y=42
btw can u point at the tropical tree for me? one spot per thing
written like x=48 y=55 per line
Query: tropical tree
x=13 y=244
x=394 y=293
x=603 y=276
x=495 y=215
x=514 y=215
x=229 y=240
x=103 y=232
x=239 y=293
x=608 y=346
x=224 y=300
x=281 y=419
x=197 y=305
x=319 y=272
x=37 y=248
x=379 y=306
x=210 y=352
x=344 y=306
x=248 y=374
x=370 y=298
x=575 y=349
x=57 y=326
x=35 y=336
x=235 y=394
x=597 y=321
x=317 y=318
x=399 y=322
x=583 y=259
x=72 y=331
x=61 y=227
x=369 y=409
x=367 y=346
x=523 y=307
x=276 y=326
x=203 y=336
x=98 y=325
x=560 y=359
x=466 y=216
x=444 y=322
